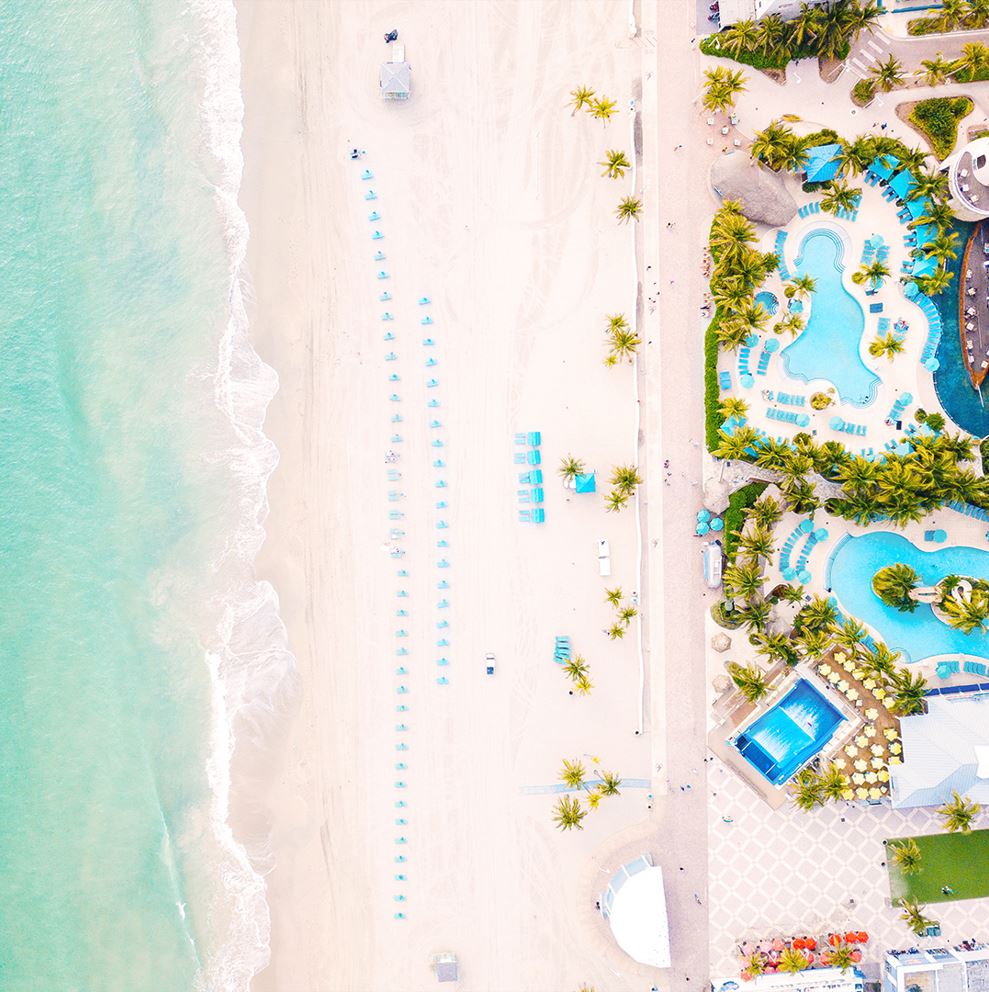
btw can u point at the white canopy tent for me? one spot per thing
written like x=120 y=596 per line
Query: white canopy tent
x=635 y=905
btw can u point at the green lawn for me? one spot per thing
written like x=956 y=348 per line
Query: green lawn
x=960 y=861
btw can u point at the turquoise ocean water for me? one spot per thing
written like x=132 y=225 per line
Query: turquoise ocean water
x=132 y=472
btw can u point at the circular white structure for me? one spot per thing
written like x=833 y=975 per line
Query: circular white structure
x=635 y=905
x=968 y=180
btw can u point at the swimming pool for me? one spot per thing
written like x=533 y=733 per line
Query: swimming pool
x=828 y=348
x=920 y=634
x=787 y=736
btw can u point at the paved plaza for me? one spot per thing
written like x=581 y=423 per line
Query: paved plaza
x=780 y=872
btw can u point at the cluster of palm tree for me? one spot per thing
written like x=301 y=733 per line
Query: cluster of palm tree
x=904 y=689
x=568 y=812
x=721 y=86
x=825 y=31
x=578 y=671
x=625 y=613
x=906 y=856
x=959 y=813
x=893 y=585
x=905 y=488
x=622 y=341
x=954 y=15
x=739 y=270
x=966 y=613
x=913 y=915
x=777 y=147
x=750 y=680
x=888 y=344
x=811 y=788
x=625 y=479
x=600 y=108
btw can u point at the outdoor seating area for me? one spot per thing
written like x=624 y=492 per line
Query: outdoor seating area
x=775 y=955
x=561 y=649
x=846 y=427
x=530 y=497
x=801 y=541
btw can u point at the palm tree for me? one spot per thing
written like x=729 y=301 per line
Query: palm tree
x=721 y=87
x=888 y=74
x=732 y=446
x=627 y=614
x=792 y=961
x=959 y=813
x=818 y=614
x=629 y=209
x=886 y=344
x=842 y=957
x=583 y=685
x=807 y=790
x=814 y=643
x=775 y=647
x=906 y=856
x=773 y=39
x=610 y=782
x=797 y=154
x=875 y=272
x=978 y=13
x=932 y=184
x=603 y=109
x=732 y=295
x=834 y=783
x=806 y=24
x=952 y=14
x=743 y=579
x=742 y=36
x=765 y=511
x=838 y=195
x=973 y=59
x=616 y=631
x=856 y=155
x=750 y=680
x=893 y=585
x=624 y=344
x=571 y=467
x=936 y=283
x=943 y=247
x=938 y=213
x=733 y=406
x=625 y=478
x=801 y=287
x=757 y=542
x=615 y=163
x=573 y=773
x=908 y=693
x=580 y=99
x=849 y=636
x=755 y=615
x=615 y=501
x=772 y=145
x=613 y=596
x=913 y=160
x=967 y=615
x=937 y=70
x=568 y=813
x=791 y=324
x=913 y=916
x=576 y=667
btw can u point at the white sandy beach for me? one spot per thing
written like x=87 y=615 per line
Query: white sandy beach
x=493 y=205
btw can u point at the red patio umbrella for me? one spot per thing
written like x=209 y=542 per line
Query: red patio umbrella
x=799 y=943
x=863 y=937
x=834 y=939
x=810 y=943
x=851 y=937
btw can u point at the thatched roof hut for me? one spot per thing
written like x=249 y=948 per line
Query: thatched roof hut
x=762 y=193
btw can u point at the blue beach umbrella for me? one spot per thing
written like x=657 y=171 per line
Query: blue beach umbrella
x=771 y=345
x=701 y=529
x=717 y=524
x=585 y=483
x=703 y=515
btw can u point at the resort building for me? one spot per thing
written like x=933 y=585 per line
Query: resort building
x=945 y=750
x=968 y=180
x=635 y=905
x=732 y=11
x=964 y=968
x=815 y=980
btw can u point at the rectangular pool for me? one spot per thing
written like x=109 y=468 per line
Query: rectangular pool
x=790 y=734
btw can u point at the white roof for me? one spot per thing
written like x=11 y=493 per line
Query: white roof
x=943 y=752
x=635 y=905
x=395 y=79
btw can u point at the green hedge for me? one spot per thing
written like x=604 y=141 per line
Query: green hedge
x=711 y=46
x=712 y=392
x=864 y=92
x=984 y=448
x=738 y=502
x=938 y=119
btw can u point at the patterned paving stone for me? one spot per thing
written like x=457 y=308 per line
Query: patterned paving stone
x=786 y=872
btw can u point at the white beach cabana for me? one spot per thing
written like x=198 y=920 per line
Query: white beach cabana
x=635 y=905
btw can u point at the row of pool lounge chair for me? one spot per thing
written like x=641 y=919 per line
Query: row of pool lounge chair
x=533 y=478
x=945 y=669
x=788 y=416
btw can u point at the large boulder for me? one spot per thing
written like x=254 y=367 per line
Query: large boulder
x=762 y=193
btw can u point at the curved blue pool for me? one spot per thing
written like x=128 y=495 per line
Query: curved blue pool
x=828 y=348
x=789 y=734
x=920 y=634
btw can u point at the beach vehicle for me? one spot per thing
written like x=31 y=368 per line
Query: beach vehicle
x=489 y=664
x=713 y=561
x=604 y=557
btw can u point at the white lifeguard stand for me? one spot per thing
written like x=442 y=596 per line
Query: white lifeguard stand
x=395 y=75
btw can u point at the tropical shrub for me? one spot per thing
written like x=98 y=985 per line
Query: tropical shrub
x=734 y=516
x=820 y=401
x=937 y=119
x=893 y=585
x=712 y=392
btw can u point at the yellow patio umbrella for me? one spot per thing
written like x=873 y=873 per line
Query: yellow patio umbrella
x=883 y=775
x=895 y=748
x=852 y=693
x=880 y=694
x=858 y=673
x=839 y=762
x=842 y=685
x=871 y=778
x=851 y=750
x=824 y=670
x=890 y=733
x=872 y=712
x=870 y=731
x=847 y=793
x=877 y=762
x=870 y=684
x=876 y=749
x=895 y=760
x=860 y=765
x=858 y=778
x=862 y=792
x=862 y=740
x=875 y=793
x=849 y=666
x=834 y=678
